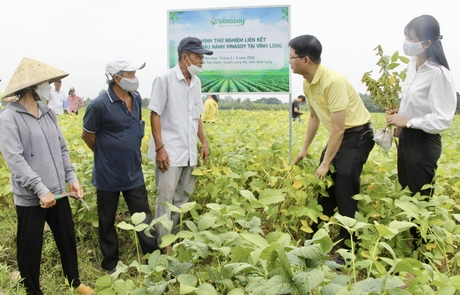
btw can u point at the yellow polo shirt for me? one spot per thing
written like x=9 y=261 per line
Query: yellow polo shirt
x=331 y=92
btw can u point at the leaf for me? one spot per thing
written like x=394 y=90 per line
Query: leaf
x=370 y=285
x=235 y=291
x=408 y=208
x=345 y=221
x=167 y=239
x=331 y=289
x=307 y=281
x=255 y=240
x=312 y=252
x=120 y=287
x=125 y=226
x=206 y=222
x=404 y=59
x=104 y=281
x=187 y=207
x=271 y=196
x=401 y=226
x=385 y=232
x=297 y=184
x=278 y=285
x=392 y=66
x=208 y=289
x=138 y=217
x=197 y=172
x=248 y=195
x=154 y=258
x=393 y=283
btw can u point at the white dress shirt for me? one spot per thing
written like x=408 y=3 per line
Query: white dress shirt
x=429 y=97
x=56 y=101
x=179 y=106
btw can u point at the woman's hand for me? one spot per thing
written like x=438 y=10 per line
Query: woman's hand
x=48 y=200
x=76 y=189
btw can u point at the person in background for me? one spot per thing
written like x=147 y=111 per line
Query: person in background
x=65 y=104
x=113 y=128
x=428 y=103
x=56 y=98
x=210 y=109
x=296 y=112
x=75 y=102
x=336 y=105
x=176 y=106
x=36 y=153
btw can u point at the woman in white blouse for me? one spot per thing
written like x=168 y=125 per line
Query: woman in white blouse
x=427 y=106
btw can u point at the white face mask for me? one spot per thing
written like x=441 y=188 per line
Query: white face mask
x=129 y=84
x=43 y=90
x=193 y=69
x=413 y=49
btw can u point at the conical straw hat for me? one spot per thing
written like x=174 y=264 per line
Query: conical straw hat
x=31 y=72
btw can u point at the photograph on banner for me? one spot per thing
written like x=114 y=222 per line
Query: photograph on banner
x=250 y=45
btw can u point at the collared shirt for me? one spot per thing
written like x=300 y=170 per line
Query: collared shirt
x=75 y=102
x=56 y=101
x=330 y=92
x=211 y=109
x=179 y=106
x=429 y=98
x=117 y=149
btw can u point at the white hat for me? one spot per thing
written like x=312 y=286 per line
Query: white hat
x=31 y=72
x=121 y=63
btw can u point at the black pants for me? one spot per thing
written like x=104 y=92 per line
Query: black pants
x=348 y=164
x=31 y=221
x=137 y=201
x=418 y=156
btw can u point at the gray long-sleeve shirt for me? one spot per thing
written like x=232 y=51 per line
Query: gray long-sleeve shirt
x=36 y=153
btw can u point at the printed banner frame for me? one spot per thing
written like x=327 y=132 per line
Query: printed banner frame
x=250 y=45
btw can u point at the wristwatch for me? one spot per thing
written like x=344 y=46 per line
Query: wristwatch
x=409 y=124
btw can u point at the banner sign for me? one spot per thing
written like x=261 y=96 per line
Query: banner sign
x=250 y=45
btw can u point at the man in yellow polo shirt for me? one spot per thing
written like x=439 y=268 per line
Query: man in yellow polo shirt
x=335 y=105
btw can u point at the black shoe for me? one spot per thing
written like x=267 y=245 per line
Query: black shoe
x=340 y=260
x=110 y=271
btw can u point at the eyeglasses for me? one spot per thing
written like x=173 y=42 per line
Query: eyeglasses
x=301 y=56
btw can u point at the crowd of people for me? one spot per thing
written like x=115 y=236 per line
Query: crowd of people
x=39 y=161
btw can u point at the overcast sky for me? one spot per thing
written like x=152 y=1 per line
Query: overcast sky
x=79 y=37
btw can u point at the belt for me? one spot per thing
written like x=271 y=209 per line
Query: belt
x=367 y=126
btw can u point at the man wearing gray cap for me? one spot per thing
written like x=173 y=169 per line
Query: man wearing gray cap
x=176 y=106
x=113 y=128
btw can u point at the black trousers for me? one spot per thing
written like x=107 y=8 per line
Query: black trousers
x=107 y=204
x=418 y=156
x=31 y=221
x=348 y=164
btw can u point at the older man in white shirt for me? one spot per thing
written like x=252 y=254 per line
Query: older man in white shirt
x=176 y=106
x=56 y=99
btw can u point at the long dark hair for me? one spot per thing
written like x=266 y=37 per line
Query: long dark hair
x=426 y=27
x=216 y=99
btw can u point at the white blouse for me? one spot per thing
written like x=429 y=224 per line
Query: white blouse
x=429 y=97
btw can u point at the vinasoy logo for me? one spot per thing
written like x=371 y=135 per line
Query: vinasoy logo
x=228 y=22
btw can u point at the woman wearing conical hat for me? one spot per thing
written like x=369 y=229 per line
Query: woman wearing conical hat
x=36 y=153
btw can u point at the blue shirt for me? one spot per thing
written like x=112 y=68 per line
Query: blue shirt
x=117 y=148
